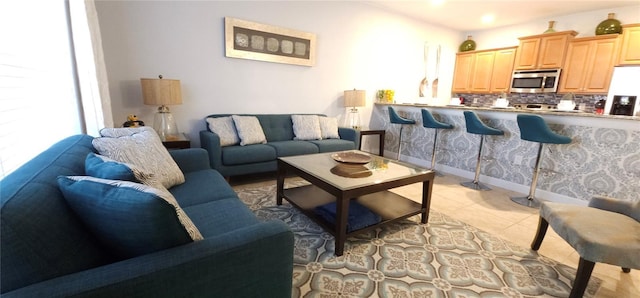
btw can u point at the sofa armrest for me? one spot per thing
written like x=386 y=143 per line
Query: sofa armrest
x=628 y=208
x=350 y=134
x=255 y=261
x=191 y=159
x=210 y=141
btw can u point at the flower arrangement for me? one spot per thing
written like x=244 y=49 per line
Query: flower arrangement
x=385 y=95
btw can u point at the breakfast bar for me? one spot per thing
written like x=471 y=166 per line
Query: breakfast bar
x=602 y=159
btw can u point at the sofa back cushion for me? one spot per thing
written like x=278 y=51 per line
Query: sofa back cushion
x=276 y=127
x=42 y=238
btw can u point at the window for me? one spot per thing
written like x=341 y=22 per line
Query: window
x=40 y=100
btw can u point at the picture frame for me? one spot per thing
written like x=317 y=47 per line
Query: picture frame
x=255 y=41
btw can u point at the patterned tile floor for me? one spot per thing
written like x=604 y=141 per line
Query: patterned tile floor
x=494 y=212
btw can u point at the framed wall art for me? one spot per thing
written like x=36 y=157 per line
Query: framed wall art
x=249 y=40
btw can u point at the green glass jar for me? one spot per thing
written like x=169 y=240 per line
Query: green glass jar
x=609 y=26
x=467 y=45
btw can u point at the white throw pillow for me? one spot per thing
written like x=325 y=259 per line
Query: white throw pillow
x=144 y=149
x=225 y=129
x=329 y=127
x=249 y=130
x=306 y=127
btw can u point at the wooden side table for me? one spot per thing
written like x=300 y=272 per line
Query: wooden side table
x=181 y=142
x=378 y=132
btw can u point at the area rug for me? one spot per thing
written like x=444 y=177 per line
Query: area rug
x=443 y=258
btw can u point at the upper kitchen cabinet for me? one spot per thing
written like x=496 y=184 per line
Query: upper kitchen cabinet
x=462 y=72
x=484 y=71
x=543 y=51
x=503 y=69
x=630 y=45
x=589 y=64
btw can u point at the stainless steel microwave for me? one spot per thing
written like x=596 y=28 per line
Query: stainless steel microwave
x=535 y=81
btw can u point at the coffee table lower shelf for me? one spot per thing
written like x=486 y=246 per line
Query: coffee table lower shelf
x=388 y=205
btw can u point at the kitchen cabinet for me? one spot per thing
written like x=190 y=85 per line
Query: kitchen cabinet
x=543 y=51
x=630 y=45
x=484 y=71
x=589 y=65
x=503 y=69
x=462 y=72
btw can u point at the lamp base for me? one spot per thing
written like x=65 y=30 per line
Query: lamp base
x=353 y=119
x=165 y=125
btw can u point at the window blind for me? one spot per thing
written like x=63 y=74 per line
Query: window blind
x=38 y=101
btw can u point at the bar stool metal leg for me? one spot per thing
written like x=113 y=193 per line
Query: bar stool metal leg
x=530 y=200
x=433 y=153
x=475 y=184
x=399 y=142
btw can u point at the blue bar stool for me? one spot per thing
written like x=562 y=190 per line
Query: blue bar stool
x=429 y=122
x=534 y=129
x=475 y=126
x=397 y=119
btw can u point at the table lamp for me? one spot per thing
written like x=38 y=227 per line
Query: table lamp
x=163 y=92
x=354 y=98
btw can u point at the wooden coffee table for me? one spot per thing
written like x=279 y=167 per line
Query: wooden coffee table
x=368 y=184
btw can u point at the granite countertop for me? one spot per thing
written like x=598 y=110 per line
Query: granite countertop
x=514 y=110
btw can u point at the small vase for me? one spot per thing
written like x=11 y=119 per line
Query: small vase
x=550 y=29
x=468 y=45
x=609 y=26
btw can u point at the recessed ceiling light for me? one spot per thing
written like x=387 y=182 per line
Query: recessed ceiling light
x=488 y=18
x=437 y=2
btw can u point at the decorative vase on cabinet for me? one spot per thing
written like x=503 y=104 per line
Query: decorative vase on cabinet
x=550 y=29
x=468 y=45
x=609 y=26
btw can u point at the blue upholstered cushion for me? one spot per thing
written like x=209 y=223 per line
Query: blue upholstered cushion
x=199 y=187
x=534 y=129
x=359 y=216
x=475 y=126
x=40 y=236
x=430 y=122
x=290 y=148
x=397 y=119
x=131 y=219
x=103 y=167
x=221 y=216
x=238 y=155
x=332 y=145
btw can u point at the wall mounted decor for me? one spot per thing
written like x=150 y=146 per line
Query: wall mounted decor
x=249 y=40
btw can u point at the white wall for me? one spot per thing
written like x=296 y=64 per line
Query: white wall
x=584 y=23
x=359 y=46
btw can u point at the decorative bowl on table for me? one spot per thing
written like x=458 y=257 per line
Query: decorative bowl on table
x=350 y=157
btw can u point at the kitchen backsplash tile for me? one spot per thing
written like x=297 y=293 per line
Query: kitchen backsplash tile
x=486 y=100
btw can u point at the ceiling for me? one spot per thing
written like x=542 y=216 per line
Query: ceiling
x=465 y=15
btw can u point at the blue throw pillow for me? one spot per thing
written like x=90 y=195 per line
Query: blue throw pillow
x=130 y=218
x=103 y=167
x=359 y=216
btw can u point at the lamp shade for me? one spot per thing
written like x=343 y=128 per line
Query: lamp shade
x=354 y=98
x=161 y=92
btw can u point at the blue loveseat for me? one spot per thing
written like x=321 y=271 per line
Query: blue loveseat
x=258 y=158
x=46 y=251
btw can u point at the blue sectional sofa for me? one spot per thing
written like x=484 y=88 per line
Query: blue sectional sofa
x=258 y=158
x=47 y=251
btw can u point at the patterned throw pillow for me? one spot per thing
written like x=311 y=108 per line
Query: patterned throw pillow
x=249 y=130
x=132 y=219
x=142 y=148
x=306 y=127
x=225 y=129
x=329 y=127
